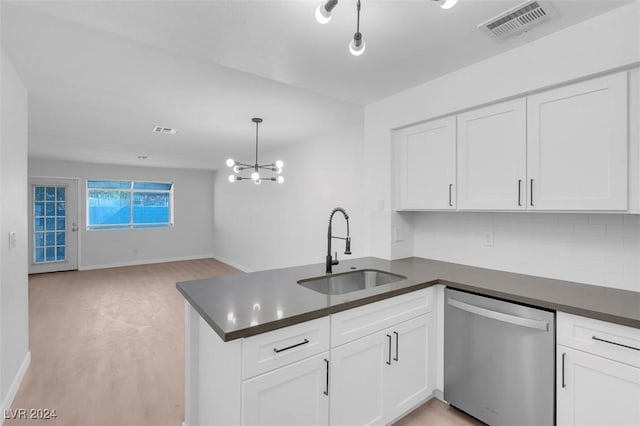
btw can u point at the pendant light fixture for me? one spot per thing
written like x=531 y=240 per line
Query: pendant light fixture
x=357 y=45
x=256 y=177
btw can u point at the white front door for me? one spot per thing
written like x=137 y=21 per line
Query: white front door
x=53 y=225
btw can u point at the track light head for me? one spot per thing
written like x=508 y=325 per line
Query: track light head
x=448 y=4
x=357 y=45
x=323 y=11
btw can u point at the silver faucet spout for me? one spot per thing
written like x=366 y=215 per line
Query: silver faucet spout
x=330 y=261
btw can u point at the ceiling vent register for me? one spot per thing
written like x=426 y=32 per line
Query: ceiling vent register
x=165 y=130
x=517 y=20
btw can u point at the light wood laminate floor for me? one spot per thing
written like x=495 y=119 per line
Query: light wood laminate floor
x=437 y=413
x=107 y=348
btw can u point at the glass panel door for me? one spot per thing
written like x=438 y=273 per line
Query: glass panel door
x=53 y=225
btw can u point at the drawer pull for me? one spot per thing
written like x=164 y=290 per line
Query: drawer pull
x=304 y=342
x=615 y=343
x=389 y=359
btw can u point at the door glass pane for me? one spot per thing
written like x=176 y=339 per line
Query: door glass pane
x=49 y=217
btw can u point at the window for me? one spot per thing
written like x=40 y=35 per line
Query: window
x=115 y=204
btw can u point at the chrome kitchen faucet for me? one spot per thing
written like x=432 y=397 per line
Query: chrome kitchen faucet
x=347 y=249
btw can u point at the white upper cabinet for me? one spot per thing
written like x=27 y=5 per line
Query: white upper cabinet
x=492 y=157
x=577 y=146
x=426 y=166
x=565 y=149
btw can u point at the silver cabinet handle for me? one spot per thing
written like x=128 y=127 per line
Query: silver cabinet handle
x=450 y=195
x=519 y=192
x=499 y=316
x=531 y=191
x=615 y=343
x=397 y=341
x=326 y=385
x=564 y=356
x=389 y=359
x=304 y=342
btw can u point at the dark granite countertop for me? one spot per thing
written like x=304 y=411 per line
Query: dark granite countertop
x=244 y=305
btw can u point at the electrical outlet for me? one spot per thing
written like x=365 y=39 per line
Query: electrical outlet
x=12 y=240
x=487 y=239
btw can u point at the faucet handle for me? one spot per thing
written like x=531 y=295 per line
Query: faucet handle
x=335 y=260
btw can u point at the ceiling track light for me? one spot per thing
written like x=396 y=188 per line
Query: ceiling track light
x=447 y=4
x=357 y=45
x=255 y=176
x=323 y=11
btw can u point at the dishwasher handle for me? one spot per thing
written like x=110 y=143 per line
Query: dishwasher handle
x=499 y=316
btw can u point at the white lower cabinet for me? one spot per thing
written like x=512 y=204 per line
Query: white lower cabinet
x=358 y=376
x=596 y=391
x=293 y=395
x=409 y=381
x=372 y=368
x=378 y=378
x=598 y=373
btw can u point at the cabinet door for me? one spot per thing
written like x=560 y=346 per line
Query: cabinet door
x=492 y=157
x=409 y=381
x=426 y=166
x=358 y=374
x=291 y=395
x=577 y=146
x=595 y=391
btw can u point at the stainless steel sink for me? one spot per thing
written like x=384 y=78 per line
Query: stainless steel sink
x=350 y=281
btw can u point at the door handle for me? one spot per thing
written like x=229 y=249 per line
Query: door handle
x=564 y=356
x=531 y=191
x=519 y=192
x=499 y=316
x=389 y=359
x=397 y=341
x=326 y=385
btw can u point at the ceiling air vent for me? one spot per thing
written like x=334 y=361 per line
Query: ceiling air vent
x=165 y=130
x=517 y=19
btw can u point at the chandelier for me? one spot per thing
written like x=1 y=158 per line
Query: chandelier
x=357 y=44
x=256 y=177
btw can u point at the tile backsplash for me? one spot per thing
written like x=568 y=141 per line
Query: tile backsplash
x=600 y=249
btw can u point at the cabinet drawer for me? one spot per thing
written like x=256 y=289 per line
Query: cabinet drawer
x=613 y=341
x=274 y=349
x=358 y=322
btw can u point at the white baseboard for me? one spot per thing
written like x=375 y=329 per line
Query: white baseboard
x=232 y=263
x=146 y=262
x=15 y=385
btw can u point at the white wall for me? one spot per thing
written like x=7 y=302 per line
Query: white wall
x=604 y=43
x=594 y=249
x=189 y=238
x=270 y=225
x=14 y=321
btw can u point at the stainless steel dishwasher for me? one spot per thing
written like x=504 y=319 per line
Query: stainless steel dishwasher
x=499 y=360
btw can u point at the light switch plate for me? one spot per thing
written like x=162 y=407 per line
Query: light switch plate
x=487 y=239
x=397 y=235
x=12 y=240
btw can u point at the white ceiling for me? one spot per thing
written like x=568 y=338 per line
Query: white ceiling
x=101 y=74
